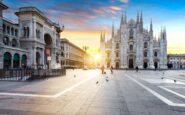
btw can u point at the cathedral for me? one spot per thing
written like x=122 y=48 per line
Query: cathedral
x=134 y=46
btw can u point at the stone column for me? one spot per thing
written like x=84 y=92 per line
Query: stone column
x=34 y=57
x=34 y=29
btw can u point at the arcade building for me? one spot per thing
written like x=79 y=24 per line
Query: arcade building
x=33 y=41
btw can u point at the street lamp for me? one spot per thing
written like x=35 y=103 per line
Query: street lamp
x=85 y=49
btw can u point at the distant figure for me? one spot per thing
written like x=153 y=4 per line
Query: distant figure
x=137 y=68
x=97 y=82
x=102 y=69
x=111 y=69
x=155 y=68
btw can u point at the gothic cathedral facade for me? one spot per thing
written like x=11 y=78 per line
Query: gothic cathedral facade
x=134 y=46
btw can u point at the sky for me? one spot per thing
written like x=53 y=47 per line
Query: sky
x=85 y=19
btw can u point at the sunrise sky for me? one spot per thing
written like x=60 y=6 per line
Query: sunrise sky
x=85 y=19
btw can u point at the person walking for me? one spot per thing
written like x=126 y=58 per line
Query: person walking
x=111 y=69
x=102 y=69
x=137 y=68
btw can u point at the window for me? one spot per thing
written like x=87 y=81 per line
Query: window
x=26 y=32
x=131 y=34
x=37 y=33
x=117 y=54
x=57 y=58
x=155 y=54
x=4 y=28
x=16 y=32
x=145 y=45
x=62 y=54
x=145 y=54
x=14 y=43
x=8 y=30
x=12 y=31
x=117 y=45
x=131 y=47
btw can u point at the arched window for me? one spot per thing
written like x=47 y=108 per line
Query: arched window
x=12 y=31
x=4 y=28
x=117 y=45
x=145 y=45
x=8 y=30
x=14 y=43
x=155 y=54
x=145 y=54
x=131 y=34
x=131 y=47
x=16 y=32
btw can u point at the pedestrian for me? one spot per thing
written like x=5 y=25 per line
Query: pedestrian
x=102 y=69
x=111 y=69
x=137 y=68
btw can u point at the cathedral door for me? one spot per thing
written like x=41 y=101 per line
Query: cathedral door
x=145 y=65
x=117 y=65
x=156 y=65
x=131 y=63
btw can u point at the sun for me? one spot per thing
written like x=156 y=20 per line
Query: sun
x=97 y=57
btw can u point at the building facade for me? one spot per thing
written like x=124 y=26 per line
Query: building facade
x=176 y=61
x=33 y=41
x=71 y=55
x=132 y=45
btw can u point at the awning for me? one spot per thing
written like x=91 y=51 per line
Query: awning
x=16 y=57
x=7 y=56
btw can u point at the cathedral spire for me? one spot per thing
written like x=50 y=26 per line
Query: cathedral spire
x=122 y=19
x=125 y=17
x=141 y=18
x=112 y=29
x=151 y=27
x=137 y=17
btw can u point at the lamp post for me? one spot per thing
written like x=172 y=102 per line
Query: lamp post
x=85 y=49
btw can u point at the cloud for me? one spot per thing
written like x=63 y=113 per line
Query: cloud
x=125 y=1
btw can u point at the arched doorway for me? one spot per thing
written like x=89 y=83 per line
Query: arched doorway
x=7 y=57
x=145 y=65
x=48 y=50
x=24 y=60
x=117 y=65
x=156 y=65
x=131 y=63
x=16 y=60
x=37 y=58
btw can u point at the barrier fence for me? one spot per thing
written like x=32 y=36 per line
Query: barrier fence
x=29 y=74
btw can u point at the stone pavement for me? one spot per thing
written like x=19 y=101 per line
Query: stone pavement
x=79 y=93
